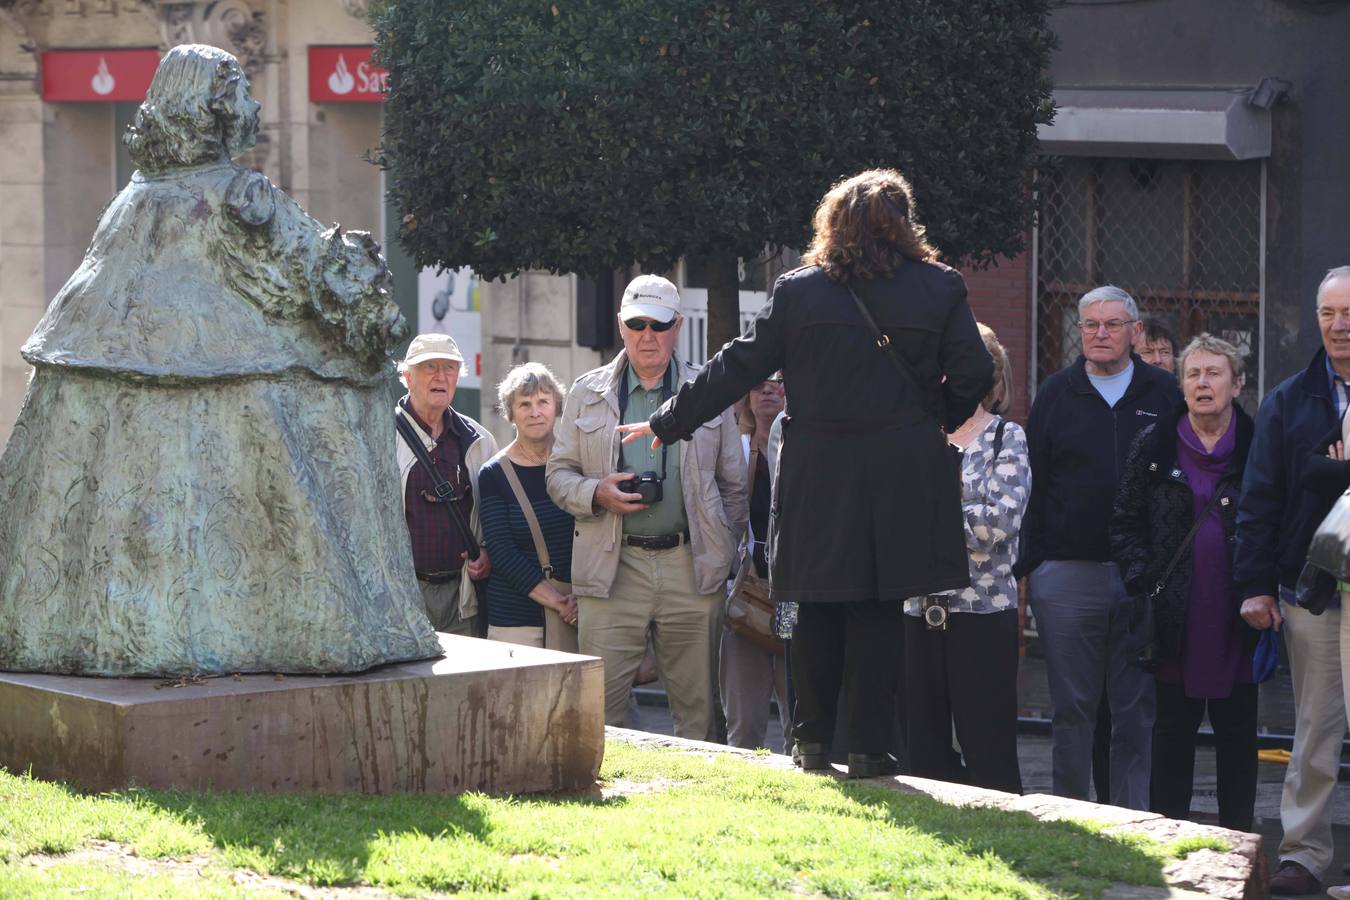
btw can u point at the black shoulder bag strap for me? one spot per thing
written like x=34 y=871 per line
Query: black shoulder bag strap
x=998 y=437
x=901 y=364
x=445 y=492
x=1185 y=542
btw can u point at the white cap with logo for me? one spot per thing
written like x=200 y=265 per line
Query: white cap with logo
x=431 y=346
x=652 y=297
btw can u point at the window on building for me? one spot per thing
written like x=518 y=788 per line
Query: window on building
x=1183 y=237
x=756 y=277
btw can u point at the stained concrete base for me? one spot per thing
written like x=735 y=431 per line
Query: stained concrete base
x=486 y=717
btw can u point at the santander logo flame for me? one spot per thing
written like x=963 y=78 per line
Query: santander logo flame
x=341 y=80
x=102 y=82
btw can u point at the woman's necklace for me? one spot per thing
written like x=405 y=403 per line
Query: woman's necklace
x=532 y=457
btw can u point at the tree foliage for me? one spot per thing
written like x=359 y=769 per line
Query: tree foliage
x=585 y=135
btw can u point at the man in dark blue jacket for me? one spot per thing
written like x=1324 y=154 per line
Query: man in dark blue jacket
x=1276 y=521
x=1079 y=433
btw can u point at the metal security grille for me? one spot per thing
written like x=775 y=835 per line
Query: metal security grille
x=1183 y=237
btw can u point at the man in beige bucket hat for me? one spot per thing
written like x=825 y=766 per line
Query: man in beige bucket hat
x=458 y=446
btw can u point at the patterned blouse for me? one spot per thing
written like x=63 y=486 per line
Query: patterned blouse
x=994 y=495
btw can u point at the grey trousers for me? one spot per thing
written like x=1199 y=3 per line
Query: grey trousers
x=1091 y=634
x=749 y=677
x=442 y=602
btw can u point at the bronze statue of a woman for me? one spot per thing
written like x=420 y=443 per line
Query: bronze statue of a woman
x=200 y=479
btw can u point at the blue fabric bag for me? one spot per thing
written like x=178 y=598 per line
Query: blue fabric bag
x=1266 y=655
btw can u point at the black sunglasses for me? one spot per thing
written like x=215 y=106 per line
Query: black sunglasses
x=658 y=327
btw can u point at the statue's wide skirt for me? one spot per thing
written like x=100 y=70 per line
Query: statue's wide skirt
x=249 y=525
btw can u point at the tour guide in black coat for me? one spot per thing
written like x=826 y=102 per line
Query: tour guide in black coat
x=867 y=505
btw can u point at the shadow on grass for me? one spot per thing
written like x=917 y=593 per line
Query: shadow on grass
x=329 y=839
x=1069 y=857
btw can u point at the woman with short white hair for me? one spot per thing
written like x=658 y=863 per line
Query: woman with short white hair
x=529 y=595
x=1172 y=536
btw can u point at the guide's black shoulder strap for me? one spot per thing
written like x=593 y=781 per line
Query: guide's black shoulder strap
x=901 y=364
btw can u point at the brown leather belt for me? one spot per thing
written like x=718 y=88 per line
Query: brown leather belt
x=438 y=577
x=656 y=541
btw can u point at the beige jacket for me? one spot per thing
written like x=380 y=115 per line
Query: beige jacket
x=479 y=452
x=712 y=475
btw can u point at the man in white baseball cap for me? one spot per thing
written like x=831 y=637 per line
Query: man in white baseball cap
x=457 y=446
x=651 y=296
x=656 y=530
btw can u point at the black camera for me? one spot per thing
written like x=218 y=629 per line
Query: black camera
x=648 y=484
x=935 y=613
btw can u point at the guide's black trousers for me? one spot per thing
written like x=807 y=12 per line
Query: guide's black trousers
x=857 y=645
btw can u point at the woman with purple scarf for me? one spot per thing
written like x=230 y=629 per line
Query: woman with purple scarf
x=1172 y=536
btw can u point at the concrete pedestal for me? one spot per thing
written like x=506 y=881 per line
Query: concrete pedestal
x=487 y=717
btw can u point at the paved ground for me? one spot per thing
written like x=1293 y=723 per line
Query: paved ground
x=1034 y=754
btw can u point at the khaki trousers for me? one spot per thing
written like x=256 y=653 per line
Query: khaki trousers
x=526 y=635
x=442 y=602
x=1318 y=647
x=655 y=588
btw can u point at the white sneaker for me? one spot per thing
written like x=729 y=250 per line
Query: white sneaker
x=1339 y=891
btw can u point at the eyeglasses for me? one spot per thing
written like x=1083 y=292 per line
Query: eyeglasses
x=1112 y=326
x=658 y=327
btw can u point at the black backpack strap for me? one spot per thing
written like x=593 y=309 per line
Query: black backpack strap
x=445 y=492
x=998 y=437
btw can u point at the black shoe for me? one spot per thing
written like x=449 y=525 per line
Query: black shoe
x=872 y=765
x=811 y=757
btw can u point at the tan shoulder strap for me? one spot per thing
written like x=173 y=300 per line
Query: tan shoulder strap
x=527 y=508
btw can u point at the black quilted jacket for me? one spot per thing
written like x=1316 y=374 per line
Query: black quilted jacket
x=1154 y=510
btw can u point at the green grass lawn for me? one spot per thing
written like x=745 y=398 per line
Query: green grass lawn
x=687 y=825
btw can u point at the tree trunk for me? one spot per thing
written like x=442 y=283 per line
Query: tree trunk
x=724 y=302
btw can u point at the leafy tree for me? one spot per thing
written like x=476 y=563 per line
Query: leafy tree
x=585 y=135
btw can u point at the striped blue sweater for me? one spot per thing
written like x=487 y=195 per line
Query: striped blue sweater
x=515 y=565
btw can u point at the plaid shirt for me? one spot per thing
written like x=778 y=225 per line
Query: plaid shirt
x=436 y=542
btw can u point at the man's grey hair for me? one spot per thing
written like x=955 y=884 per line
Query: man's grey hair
x=1332 y=275
x=1217 y=346
x=1105 y=294
x=526 y=380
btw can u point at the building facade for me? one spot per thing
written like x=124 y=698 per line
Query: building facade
x=72 y=73
x=1197 y=160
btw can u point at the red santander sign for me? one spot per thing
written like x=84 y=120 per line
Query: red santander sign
x=97 y=76
x=345 y=75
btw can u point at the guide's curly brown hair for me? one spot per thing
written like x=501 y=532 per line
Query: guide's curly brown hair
x=865 y=228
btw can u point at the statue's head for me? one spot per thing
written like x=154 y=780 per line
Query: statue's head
x=198 y=110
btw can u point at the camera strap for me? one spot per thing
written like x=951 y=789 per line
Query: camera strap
x=667 y=391
x=445 y=492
